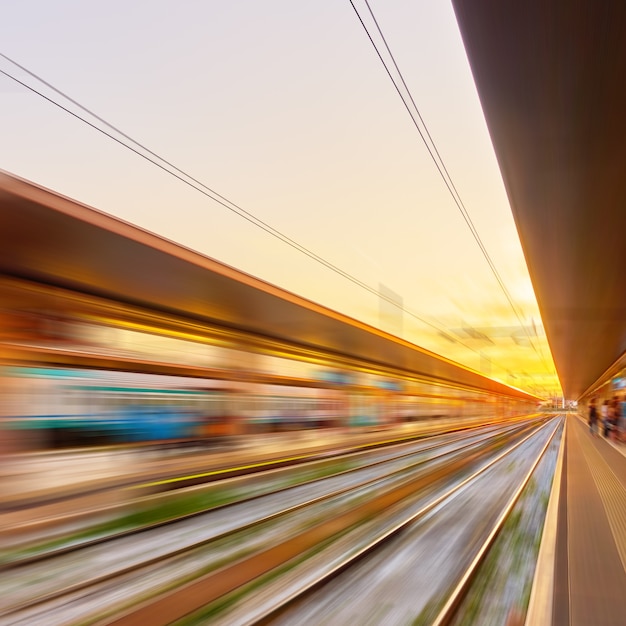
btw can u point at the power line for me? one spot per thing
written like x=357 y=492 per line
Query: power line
x=192 y=182
x=438 y=161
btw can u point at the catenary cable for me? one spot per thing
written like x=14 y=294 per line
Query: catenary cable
x=439 y=163
x=210 y=193
x=207 y=191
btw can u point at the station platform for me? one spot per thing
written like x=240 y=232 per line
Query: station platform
x=590 y=547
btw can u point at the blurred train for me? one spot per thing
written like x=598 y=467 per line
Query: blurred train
x=73 y=377
x=61 y=407
x=57 y=407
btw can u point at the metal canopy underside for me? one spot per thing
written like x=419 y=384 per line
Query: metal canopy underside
x=552 y=81
x=50 y=239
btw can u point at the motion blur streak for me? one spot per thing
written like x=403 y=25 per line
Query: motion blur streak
x=79 y=376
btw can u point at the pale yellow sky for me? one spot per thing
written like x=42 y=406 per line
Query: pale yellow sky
x=285 y=109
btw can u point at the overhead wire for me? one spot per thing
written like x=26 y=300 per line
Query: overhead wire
x=192 y=182
x=438 y=161
x=215 y=196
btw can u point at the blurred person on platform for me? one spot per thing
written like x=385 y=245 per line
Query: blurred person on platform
x=622 y=419
x=615 y=418
x=593 y=417
x=604 y=415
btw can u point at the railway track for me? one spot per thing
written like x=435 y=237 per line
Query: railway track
x=57 y=513
x=420 y=571
x=305 y=521
x=164 y=508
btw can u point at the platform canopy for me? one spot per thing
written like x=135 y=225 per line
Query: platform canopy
x=48 y=239
x=551 y=79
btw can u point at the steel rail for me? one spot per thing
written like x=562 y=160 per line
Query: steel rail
x=449 y=609
x=482 y=443
x=295 y=596
x=73 y=547
x=211 y=587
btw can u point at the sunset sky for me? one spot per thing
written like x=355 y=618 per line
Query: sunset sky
x=284 y=108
